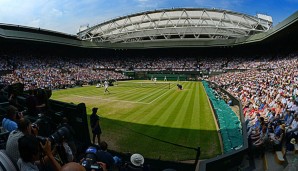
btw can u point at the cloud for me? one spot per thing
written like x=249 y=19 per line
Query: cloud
x=56 y=12
x=67 y=15
x=34 y=23
x=147 y=4
x=222 y=4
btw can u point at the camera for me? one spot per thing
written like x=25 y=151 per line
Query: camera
x=56 y=137
x=89 y=162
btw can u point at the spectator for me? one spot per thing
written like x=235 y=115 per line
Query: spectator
x=29 y=152
x=288 y=118
x=292 y=131
x=72 y=166
x=136 y=163
x=24 y=128
x=69 y=142
x=9 y=122
x=104 y=156
x=31 y=103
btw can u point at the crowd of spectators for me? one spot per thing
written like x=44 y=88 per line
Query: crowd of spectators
x=55 y=72
x=41 y=71
x=269 y=95
x=266 y=85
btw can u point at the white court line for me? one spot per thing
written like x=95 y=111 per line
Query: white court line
x=158 y=97
x=97 y=98
x=146 y=96
x=126 y=100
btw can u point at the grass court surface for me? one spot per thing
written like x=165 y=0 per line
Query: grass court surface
x=150 y=120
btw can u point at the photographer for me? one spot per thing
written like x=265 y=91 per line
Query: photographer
x=24 y=128
x=91 y=160
x=104 y=156
x=70 y=142
x=29 y=148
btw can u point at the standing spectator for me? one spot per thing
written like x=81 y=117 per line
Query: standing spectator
x=31 y=103
x=95 y=127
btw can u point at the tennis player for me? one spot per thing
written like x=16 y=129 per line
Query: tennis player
x=106 y=85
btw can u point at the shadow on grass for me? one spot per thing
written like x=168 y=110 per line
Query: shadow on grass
x=160 y=144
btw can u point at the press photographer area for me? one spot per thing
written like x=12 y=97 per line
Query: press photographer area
x=63 y=125
x=55 y=134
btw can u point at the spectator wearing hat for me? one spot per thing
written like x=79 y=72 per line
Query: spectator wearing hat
x=136 y=163
x=9 y=123
x=95 y=127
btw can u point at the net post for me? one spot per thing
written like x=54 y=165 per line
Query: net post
x=198 y=155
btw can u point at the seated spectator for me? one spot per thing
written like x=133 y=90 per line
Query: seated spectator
x=9 y=122
x=274 y=123
x=278 y=135
x=262 y=137
x=292 y=131
x=29 y=153
x=257 y=129
x=255 y=124
x=288 y=119
x=24 y=128
x=276 y=139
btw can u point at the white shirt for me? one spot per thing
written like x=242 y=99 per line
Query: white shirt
x=294 y=126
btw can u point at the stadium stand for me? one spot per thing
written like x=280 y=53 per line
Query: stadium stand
x=260 y=71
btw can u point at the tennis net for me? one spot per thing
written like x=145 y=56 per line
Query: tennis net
x=161 y=85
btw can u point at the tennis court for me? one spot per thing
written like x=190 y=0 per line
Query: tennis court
x=156 y=120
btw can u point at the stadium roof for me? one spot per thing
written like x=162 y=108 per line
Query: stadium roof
x=286 y=29
x=177 y=24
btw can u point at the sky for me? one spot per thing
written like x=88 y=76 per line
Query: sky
x=67 y=16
